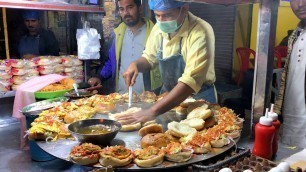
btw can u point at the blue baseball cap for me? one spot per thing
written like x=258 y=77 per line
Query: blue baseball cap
x=162 y=5
x=31 y=14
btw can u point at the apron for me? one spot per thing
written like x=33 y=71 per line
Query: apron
x=29 y=45
x=172 y=68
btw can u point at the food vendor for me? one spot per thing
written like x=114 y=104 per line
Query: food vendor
x=183 y=46
x=290 y=102
x=37 y=41
x=127 y=45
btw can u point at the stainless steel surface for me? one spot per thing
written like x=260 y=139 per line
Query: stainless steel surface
x=4 y=94
x=100 y=139
x=264 y=57
x=131 y=140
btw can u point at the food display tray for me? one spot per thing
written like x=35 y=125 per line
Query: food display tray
x=238 y=160
x=35 y=108
x=131 y=140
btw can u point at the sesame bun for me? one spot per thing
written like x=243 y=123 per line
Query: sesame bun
x=152 y=128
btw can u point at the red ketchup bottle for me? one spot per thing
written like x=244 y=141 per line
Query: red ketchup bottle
x=264 y=134
x=276 y=123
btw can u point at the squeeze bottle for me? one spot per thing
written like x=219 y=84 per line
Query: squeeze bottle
x=276 y=123
x=264 y=134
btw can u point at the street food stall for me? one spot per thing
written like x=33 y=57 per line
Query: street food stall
x=128 y=148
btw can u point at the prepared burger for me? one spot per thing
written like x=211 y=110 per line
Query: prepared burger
x=148 y=157
x=115 y=156
x=176 y=152
x=85 y=154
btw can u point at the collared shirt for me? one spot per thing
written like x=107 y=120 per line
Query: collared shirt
x=132 y=47
x=198 y=50
x=29 y=45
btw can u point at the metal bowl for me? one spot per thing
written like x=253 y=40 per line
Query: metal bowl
x=99 y=139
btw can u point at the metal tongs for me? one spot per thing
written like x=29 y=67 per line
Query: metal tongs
x=130 y=96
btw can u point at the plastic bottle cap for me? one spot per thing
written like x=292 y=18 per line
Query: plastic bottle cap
x=265 y=121
x=273 y=116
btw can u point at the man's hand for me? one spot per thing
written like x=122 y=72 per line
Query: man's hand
x=131 y=74
x=94 y=81
x=141 y=116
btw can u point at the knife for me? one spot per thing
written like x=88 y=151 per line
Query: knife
x=130 y=96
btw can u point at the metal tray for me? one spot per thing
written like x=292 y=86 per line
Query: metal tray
x=222 y=160
x=131 y=140
x=36 y=108
x=82 y=94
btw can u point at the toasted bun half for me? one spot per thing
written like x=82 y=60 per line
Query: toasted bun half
x=171 y=137
x=155 y=139
x=149 y=122
x=104 y=107
x=202 y=149
x=86 y=160
x=196 y=123
x=152 y=128
x=148 y=97
x=182 y=156
x=219 y=143
x=131 y=127
x=187 y=102
x=181 y=110
x=200 y=112
x=234 y=134
x=107 y=160
x=180 y=130
x=209 y=122
x=195 y=105
x=158 y=159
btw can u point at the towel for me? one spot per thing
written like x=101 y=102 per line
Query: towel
x=25 y=96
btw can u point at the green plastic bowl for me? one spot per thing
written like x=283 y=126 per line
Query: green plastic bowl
x=50 y=94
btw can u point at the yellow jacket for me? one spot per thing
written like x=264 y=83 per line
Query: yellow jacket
x=155 y=78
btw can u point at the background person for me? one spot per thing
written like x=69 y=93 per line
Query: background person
x=37 y=41
x=290 y=102
x=128 y=44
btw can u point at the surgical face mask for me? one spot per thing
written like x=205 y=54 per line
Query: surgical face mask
x=169 y=26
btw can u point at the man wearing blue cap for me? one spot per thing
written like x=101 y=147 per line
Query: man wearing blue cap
x=183 y=46
x=37 y=41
